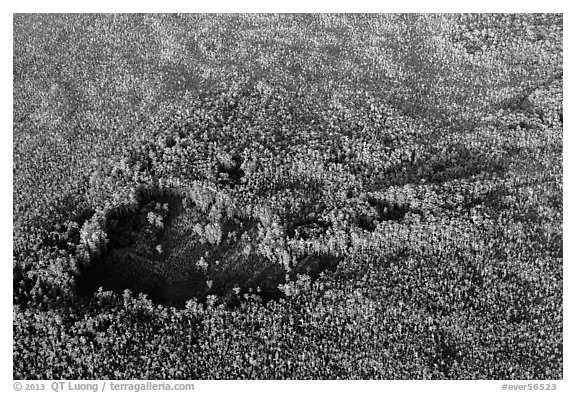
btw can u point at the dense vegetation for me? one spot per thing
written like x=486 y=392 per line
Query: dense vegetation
x=288 y=196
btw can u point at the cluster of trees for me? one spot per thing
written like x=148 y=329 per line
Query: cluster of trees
x=404 y=170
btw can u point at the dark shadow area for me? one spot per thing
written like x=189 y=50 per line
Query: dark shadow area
x=169 y=142
x=134 y=238
x=385 y=211
x=367 y=223
x=388 y=211
x=460 y=162
x=170 y=250
x=230 y=172
x=313 y=265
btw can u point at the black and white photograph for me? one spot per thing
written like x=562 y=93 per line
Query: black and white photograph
x=286 y=196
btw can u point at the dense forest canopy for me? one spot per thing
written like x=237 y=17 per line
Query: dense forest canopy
x=288 y=196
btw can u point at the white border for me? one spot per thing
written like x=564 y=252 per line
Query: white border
x=226 y=6
x=6 y=24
